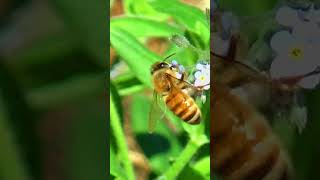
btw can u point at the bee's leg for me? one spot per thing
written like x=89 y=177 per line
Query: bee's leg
x=182 y=77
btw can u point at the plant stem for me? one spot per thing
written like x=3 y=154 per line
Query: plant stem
x=182 y=160
x=120 y=139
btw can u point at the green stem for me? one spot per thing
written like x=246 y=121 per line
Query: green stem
x=120 y=139
x=181 y=161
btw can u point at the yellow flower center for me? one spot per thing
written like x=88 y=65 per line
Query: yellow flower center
x=202 y=78
x=296 y=53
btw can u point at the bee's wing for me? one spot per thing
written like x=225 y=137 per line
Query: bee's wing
x=155 y=112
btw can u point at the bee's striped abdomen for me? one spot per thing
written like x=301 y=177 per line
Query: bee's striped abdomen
x=243 y=145
x=183 y=106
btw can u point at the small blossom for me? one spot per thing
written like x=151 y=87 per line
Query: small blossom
x=174 y=63
x=304 y=24
x=296 y=51
x=294 y=57
x=202 y=76
x=202 y=79
x=181 y=69
x=203 y=68
x=178 y=69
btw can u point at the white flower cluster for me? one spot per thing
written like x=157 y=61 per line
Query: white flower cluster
x=201 y=76
x=298 y=48
x=179 y=69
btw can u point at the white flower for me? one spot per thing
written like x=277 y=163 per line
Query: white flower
x=177 y=68
x=202 y=79
x=303 y=23
x=205 y=68
x=295 y=56
x=174 y=63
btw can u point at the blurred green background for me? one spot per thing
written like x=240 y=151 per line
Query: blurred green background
x=53 y=114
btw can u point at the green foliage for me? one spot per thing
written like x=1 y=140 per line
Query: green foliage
x=52 y=72
x=170 y=153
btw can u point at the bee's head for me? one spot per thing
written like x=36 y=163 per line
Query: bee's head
x=159 y=65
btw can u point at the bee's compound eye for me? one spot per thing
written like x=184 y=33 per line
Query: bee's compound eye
x=163 y=65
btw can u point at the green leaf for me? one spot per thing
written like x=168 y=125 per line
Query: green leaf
x=189 y=173
x=120 y=139
x=144 y=27
x=203 y=166
x=138 y=57
x=115 y=168
x=188 y=16
x=142 y=8
x=87 y=21
x=128 y=84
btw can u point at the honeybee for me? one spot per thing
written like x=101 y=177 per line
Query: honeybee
x=243 y=144
x=175 y=92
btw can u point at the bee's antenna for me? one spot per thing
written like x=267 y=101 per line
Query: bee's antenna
x=165 y=59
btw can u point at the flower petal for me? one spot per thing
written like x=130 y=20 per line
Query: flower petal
x=287 y=16
x=199 y=67
x=174 y=63
x=181 y=69
x=197 y=83
x=310 y=82
x=197 y=74
x=281 y=40
x=282 y=66
x=308 y=32
x=178 y=75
